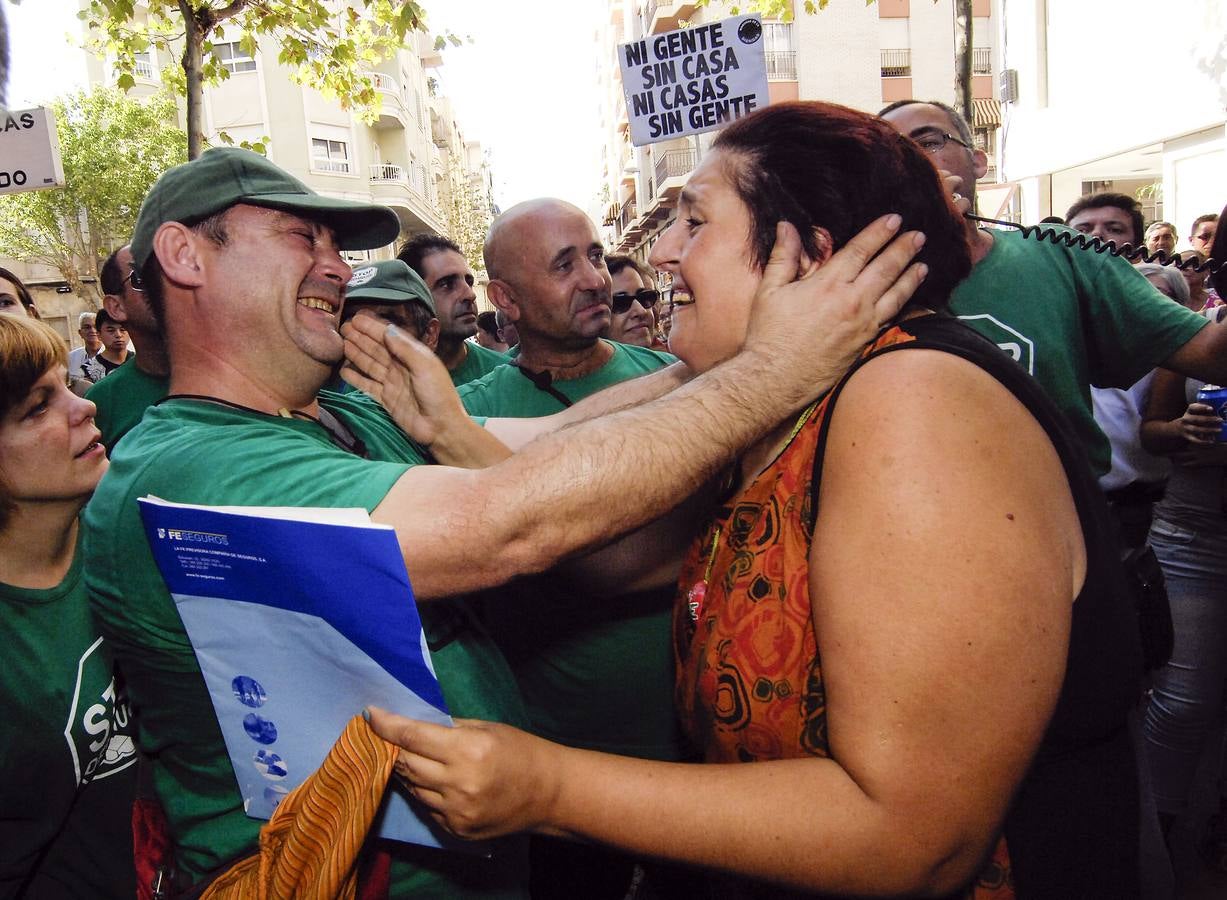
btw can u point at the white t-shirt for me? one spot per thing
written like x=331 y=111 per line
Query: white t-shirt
x=79 y=361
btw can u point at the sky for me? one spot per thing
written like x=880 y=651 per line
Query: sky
x=525 y=87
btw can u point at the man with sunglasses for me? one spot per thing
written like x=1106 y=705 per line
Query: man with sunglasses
x=124 y=395
x=593 y=675
x=633 y=319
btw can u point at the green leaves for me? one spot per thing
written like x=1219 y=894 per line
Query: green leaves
x=112 y=148
x=330 y=46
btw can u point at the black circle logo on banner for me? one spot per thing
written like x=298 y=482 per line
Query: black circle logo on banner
x=750 y=31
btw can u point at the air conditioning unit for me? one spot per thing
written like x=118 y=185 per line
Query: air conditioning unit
x=1008 y=84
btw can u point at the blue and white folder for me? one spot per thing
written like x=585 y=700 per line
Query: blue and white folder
x=299 y=619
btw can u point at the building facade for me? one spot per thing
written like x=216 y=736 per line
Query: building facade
x=403 y=159
x=850 y=53
x=1116 y=96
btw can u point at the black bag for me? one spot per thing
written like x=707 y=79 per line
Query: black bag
x=1149 y=595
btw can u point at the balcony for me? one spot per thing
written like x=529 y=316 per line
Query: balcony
x=407 y=192
x=781 y=65
x=896 y=63
x=672 y=167
x=659 y=16
x=981 y=61
x=392 y=112
x=626 y=215
x=143 y=69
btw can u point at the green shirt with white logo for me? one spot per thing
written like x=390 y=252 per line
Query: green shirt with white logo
x=193 y=451
x=67 y=759
x=1072 y=318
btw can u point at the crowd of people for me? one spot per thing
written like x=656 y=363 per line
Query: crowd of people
x=841 y=547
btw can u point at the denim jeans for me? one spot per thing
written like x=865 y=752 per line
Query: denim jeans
x=1188 y=691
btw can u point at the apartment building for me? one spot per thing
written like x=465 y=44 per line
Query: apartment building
x=402 y=159
x=861 y=56
x=1124 y=96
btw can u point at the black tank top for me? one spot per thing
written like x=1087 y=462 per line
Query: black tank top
x=1072 y=829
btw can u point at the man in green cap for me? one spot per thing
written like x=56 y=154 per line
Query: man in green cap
x=396 y=295
x=241 y=265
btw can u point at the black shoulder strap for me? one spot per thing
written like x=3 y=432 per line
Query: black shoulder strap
x=543 y=381
x=942 y=332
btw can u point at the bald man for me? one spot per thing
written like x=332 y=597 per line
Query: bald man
x=596 y=675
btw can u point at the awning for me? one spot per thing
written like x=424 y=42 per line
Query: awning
x=985 y=114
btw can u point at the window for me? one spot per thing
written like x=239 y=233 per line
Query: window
x=985 y=139
x=779 y=52
x=329 y=156
x=234 y=58
x=144 y=65
x=777 y=36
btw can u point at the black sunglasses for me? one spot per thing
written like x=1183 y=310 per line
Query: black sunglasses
x=622 y=301
x=134 y=277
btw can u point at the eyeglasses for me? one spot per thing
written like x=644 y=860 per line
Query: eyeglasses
x=134 y=277
x=934 y=141
x=622 y=300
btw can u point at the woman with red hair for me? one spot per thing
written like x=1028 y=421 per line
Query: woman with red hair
x=906 y=614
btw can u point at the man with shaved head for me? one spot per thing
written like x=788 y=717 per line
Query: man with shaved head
x=593 y=675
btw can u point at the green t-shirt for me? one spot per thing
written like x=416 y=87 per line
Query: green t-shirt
x=477 y=362
x=1072 y=318
x=122 y=398
x=194 y=451
x=506 y=392
x=598 y=676
x=67 y=759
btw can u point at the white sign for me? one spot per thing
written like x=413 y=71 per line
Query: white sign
x=29 y=151
x=694 y=79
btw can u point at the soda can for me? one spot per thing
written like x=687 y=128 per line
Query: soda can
x=1216 y=397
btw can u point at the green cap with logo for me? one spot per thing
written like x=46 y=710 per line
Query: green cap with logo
x=224 y=176
x=388 y=281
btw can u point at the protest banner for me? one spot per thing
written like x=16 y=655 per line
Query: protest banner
x=693 y=79
x=29 y=151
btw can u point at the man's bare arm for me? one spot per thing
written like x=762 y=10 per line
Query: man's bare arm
x=1203 y=356
x=461 y=530
x=515 y=433
x=421 y=399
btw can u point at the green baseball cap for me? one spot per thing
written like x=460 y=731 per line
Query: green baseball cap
x=224 y=176
x=389 y=281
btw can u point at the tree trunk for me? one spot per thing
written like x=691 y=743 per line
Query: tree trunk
x=194 y=34
x=963 y=55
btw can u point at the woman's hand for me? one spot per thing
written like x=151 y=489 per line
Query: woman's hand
x=1199 y=424
x=408 y=380
x=479 y=779
x=819 y=316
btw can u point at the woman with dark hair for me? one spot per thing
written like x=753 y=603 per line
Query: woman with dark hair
x=67 y=761
x=906 y=613
x=15 y=299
